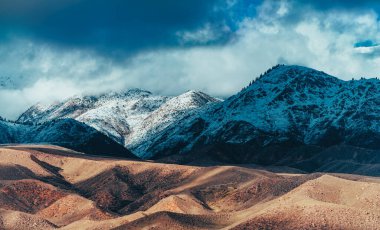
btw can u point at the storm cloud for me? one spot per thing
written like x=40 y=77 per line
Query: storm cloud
x=52 y=50
x=117 y=27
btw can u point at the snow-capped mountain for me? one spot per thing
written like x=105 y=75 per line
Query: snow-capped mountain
x=287 y=107
x=131 y=118
x=112 y=114
x=64 y=132
x=173 y=110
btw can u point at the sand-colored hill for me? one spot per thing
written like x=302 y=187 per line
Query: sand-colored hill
x=327 y=202
x=48 y=187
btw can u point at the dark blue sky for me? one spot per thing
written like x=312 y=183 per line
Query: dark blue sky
x=111 y=26
x=170 y=46
x=124 y=27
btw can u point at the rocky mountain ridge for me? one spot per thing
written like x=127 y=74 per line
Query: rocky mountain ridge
x=130 y=118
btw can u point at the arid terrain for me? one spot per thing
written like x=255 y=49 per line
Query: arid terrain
x=48 y=187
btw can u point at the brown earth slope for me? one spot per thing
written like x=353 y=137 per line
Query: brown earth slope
x=49 y=187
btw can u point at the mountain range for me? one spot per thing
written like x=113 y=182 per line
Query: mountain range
x=130 y=118
x=290 y=115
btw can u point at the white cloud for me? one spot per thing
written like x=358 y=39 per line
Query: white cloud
x=368 y=50
x=204 y=35
x=321 y=40
x=14 y=101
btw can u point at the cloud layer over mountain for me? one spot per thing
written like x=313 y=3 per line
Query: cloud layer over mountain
x=54 y=50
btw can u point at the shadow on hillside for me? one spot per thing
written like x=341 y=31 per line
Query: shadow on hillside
x=303 y=159
x=74 y=135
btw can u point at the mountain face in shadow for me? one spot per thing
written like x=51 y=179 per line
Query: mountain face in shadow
x=68 y=133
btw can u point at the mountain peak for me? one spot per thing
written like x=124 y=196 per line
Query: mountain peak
x=134 y=92
x=137 y=91
x=192 y=93
x=196 y=97
x=287 y=73
x=293 y=76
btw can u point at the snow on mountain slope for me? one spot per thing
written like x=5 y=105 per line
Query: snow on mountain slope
x=116 y=115
x=131 y=118
x=113 y=114
x=289 y=106
x=173 y=110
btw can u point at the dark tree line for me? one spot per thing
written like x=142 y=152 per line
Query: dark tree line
x=262 y=75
